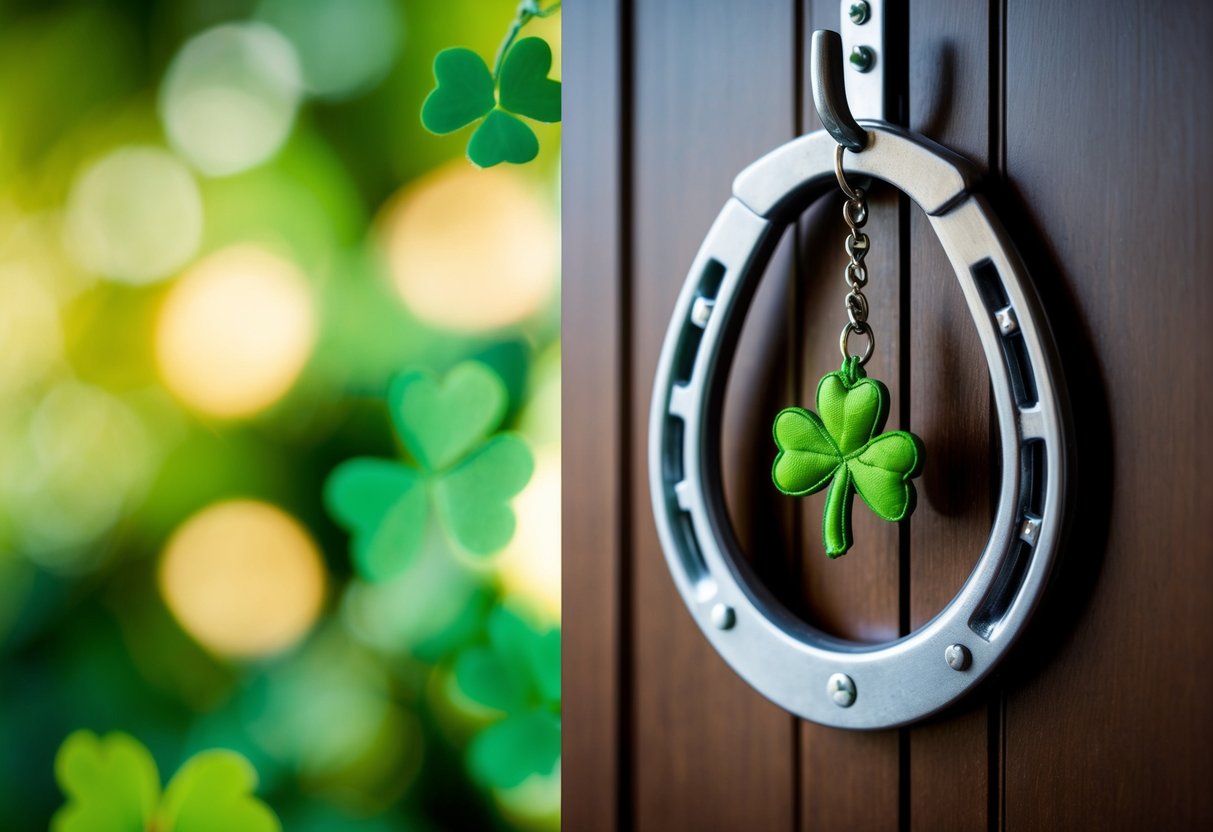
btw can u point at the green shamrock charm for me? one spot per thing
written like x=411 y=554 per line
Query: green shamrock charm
x=112 y=785
x=467 y=92
x=468 y=474
x=841 y=446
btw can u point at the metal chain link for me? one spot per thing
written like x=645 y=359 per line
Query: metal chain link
x=855 y=214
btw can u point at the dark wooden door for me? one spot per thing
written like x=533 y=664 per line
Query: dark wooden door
x=1092 y=121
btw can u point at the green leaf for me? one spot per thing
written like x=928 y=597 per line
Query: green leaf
x=111 y=784
x=384 y=506
x=464 y=92
x=489 y=679
x=882 y=471
x=502 y=138
x=536 y=652
x=441 y=422
x=473 y=498
x=525 y=87
x=807 y=455
x=213 y=793
x=508 y=752
x=853 y=409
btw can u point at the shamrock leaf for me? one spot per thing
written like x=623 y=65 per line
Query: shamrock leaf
x=384 y=504
x=470 y=475
x=440 y=422
x=112 y=786
x=843 y=447
x=473 y=498
x=517 y=673
x=502 y=138
x=526 y=88
x=508 y=752
x=464 y=92
x=213 y=791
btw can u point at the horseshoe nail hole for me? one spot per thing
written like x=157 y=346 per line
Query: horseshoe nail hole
x=1032 y=477
x=1014 y=347
x=989 y=285
x=994 y=606
x=1023 y=382
x=710 y=280
x=688 y=348
x=671 y=452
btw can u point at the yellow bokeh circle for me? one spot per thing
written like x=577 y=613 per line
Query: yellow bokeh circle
x=472 y=250
x=243 y=578
x=235 y=332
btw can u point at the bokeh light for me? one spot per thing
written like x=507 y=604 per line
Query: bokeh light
x=472 y=250
x=73 y=460
x=345 y=46
x=30 y=335
x=235 y=331
x=134 y=215
x=230 y=97
x=243 y=578
x=530 y=565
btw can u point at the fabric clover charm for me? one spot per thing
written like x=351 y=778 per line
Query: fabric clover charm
x=112 y=785
x=468 y=92
x=464 y=471
x=841 y=446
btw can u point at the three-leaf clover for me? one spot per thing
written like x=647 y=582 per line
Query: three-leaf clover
x=468 y=474
x=112 y=785
x=518 y=674
x=841 y=445
x=468 y=92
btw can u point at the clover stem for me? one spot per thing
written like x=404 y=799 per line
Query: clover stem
x=836 y=523
x=527 y=9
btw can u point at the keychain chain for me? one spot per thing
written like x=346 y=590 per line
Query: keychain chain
x=855 y=213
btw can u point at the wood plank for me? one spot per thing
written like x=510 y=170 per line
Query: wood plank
x=708 y=752
x=950 y=95
x=848 y=780
x=593 y=419
x=1108 y=723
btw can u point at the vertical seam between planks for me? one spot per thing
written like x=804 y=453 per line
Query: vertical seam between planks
x=625 y=764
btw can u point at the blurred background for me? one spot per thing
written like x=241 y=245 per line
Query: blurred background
x=223 y=230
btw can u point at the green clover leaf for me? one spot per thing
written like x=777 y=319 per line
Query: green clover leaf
x=518 y=674
x=841 y=446
x=466 y=92
x=441 y=422
x=465 y=472
x=502 y=138
x=508 y=752
x=214 y=791
x=112 y=785
x=526 y=88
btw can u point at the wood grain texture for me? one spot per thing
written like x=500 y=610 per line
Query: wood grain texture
x=950 y=101
x=593 y=417
x=1108 y=717
x=848 y=780
x=714 y=91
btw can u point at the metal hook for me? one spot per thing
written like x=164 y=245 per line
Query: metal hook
x=829 y=91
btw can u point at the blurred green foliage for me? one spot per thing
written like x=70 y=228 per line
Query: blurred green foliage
x=351 y=699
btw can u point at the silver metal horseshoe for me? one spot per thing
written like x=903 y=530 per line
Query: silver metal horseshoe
x=812 y=674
